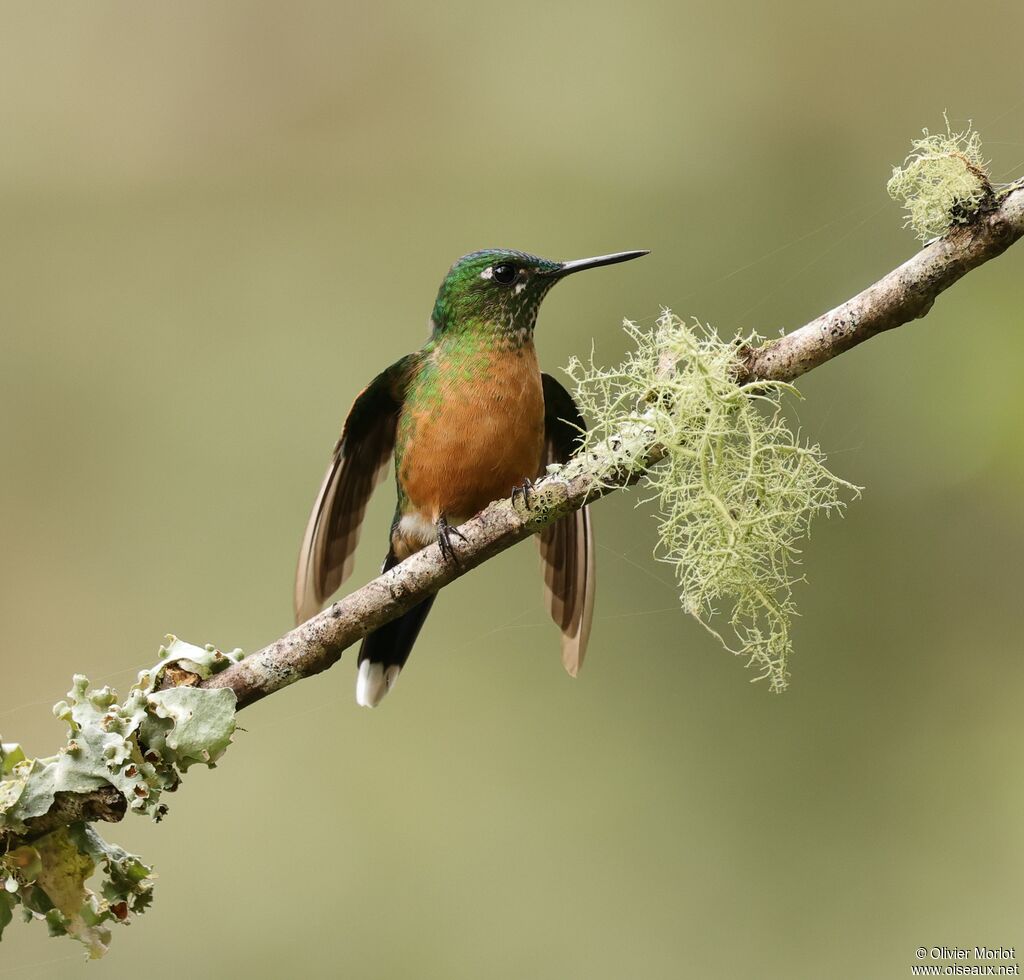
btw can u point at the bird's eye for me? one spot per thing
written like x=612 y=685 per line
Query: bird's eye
x=505 y=273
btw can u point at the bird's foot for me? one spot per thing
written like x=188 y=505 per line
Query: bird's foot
x=525 y=490
x=445 y=533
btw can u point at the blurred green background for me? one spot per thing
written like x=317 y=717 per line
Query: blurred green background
x=221 y=219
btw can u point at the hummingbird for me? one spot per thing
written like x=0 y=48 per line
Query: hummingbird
x=468 y=418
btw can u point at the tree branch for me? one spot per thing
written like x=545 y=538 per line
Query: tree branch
x=318 y=643
x=904 y=294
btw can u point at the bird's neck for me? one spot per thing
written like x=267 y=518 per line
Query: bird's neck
x=482 y=334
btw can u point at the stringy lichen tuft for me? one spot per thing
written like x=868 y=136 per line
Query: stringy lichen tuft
x=943 y=182
x=737 y=488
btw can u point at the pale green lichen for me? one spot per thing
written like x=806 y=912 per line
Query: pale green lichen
x=139 y=746
x=736 y=491
x=943 y=181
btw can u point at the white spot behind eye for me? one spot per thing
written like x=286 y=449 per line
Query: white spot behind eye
x=487 y=273
x=520 y=286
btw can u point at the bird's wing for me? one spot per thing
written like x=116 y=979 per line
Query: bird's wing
x=359 y=460
x=567 y=546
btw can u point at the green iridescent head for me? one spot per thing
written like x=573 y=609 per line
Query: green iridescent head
x=500 y=289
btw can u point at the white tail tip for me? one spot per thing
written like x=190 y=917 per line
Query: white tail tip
x=373 y=682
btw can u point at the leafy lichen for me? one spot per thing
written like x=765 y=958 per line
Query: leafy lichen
x=140 y=747
x=736 y=491
x=943 y=181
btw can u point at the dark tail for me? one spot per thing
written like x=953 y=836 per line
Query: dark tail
x=383 y=652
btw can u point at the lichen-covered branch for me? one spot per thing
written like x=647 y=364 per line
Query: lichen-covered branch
x=737 y=490
x=904 y=294
x=118 y=757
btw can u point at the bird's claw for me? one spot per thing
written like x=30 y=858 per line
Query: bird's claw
x=445 y=532
x=524 y=490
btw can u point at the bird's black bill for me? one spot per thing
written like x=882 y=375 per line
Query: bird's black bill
x=578 y=265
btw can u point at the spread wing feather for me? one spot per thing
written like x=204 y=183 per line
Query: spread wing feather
x=357 y=465
x=567 y=546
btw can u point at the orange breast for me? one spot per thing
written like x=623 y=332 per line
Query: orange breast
x=480 y=437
